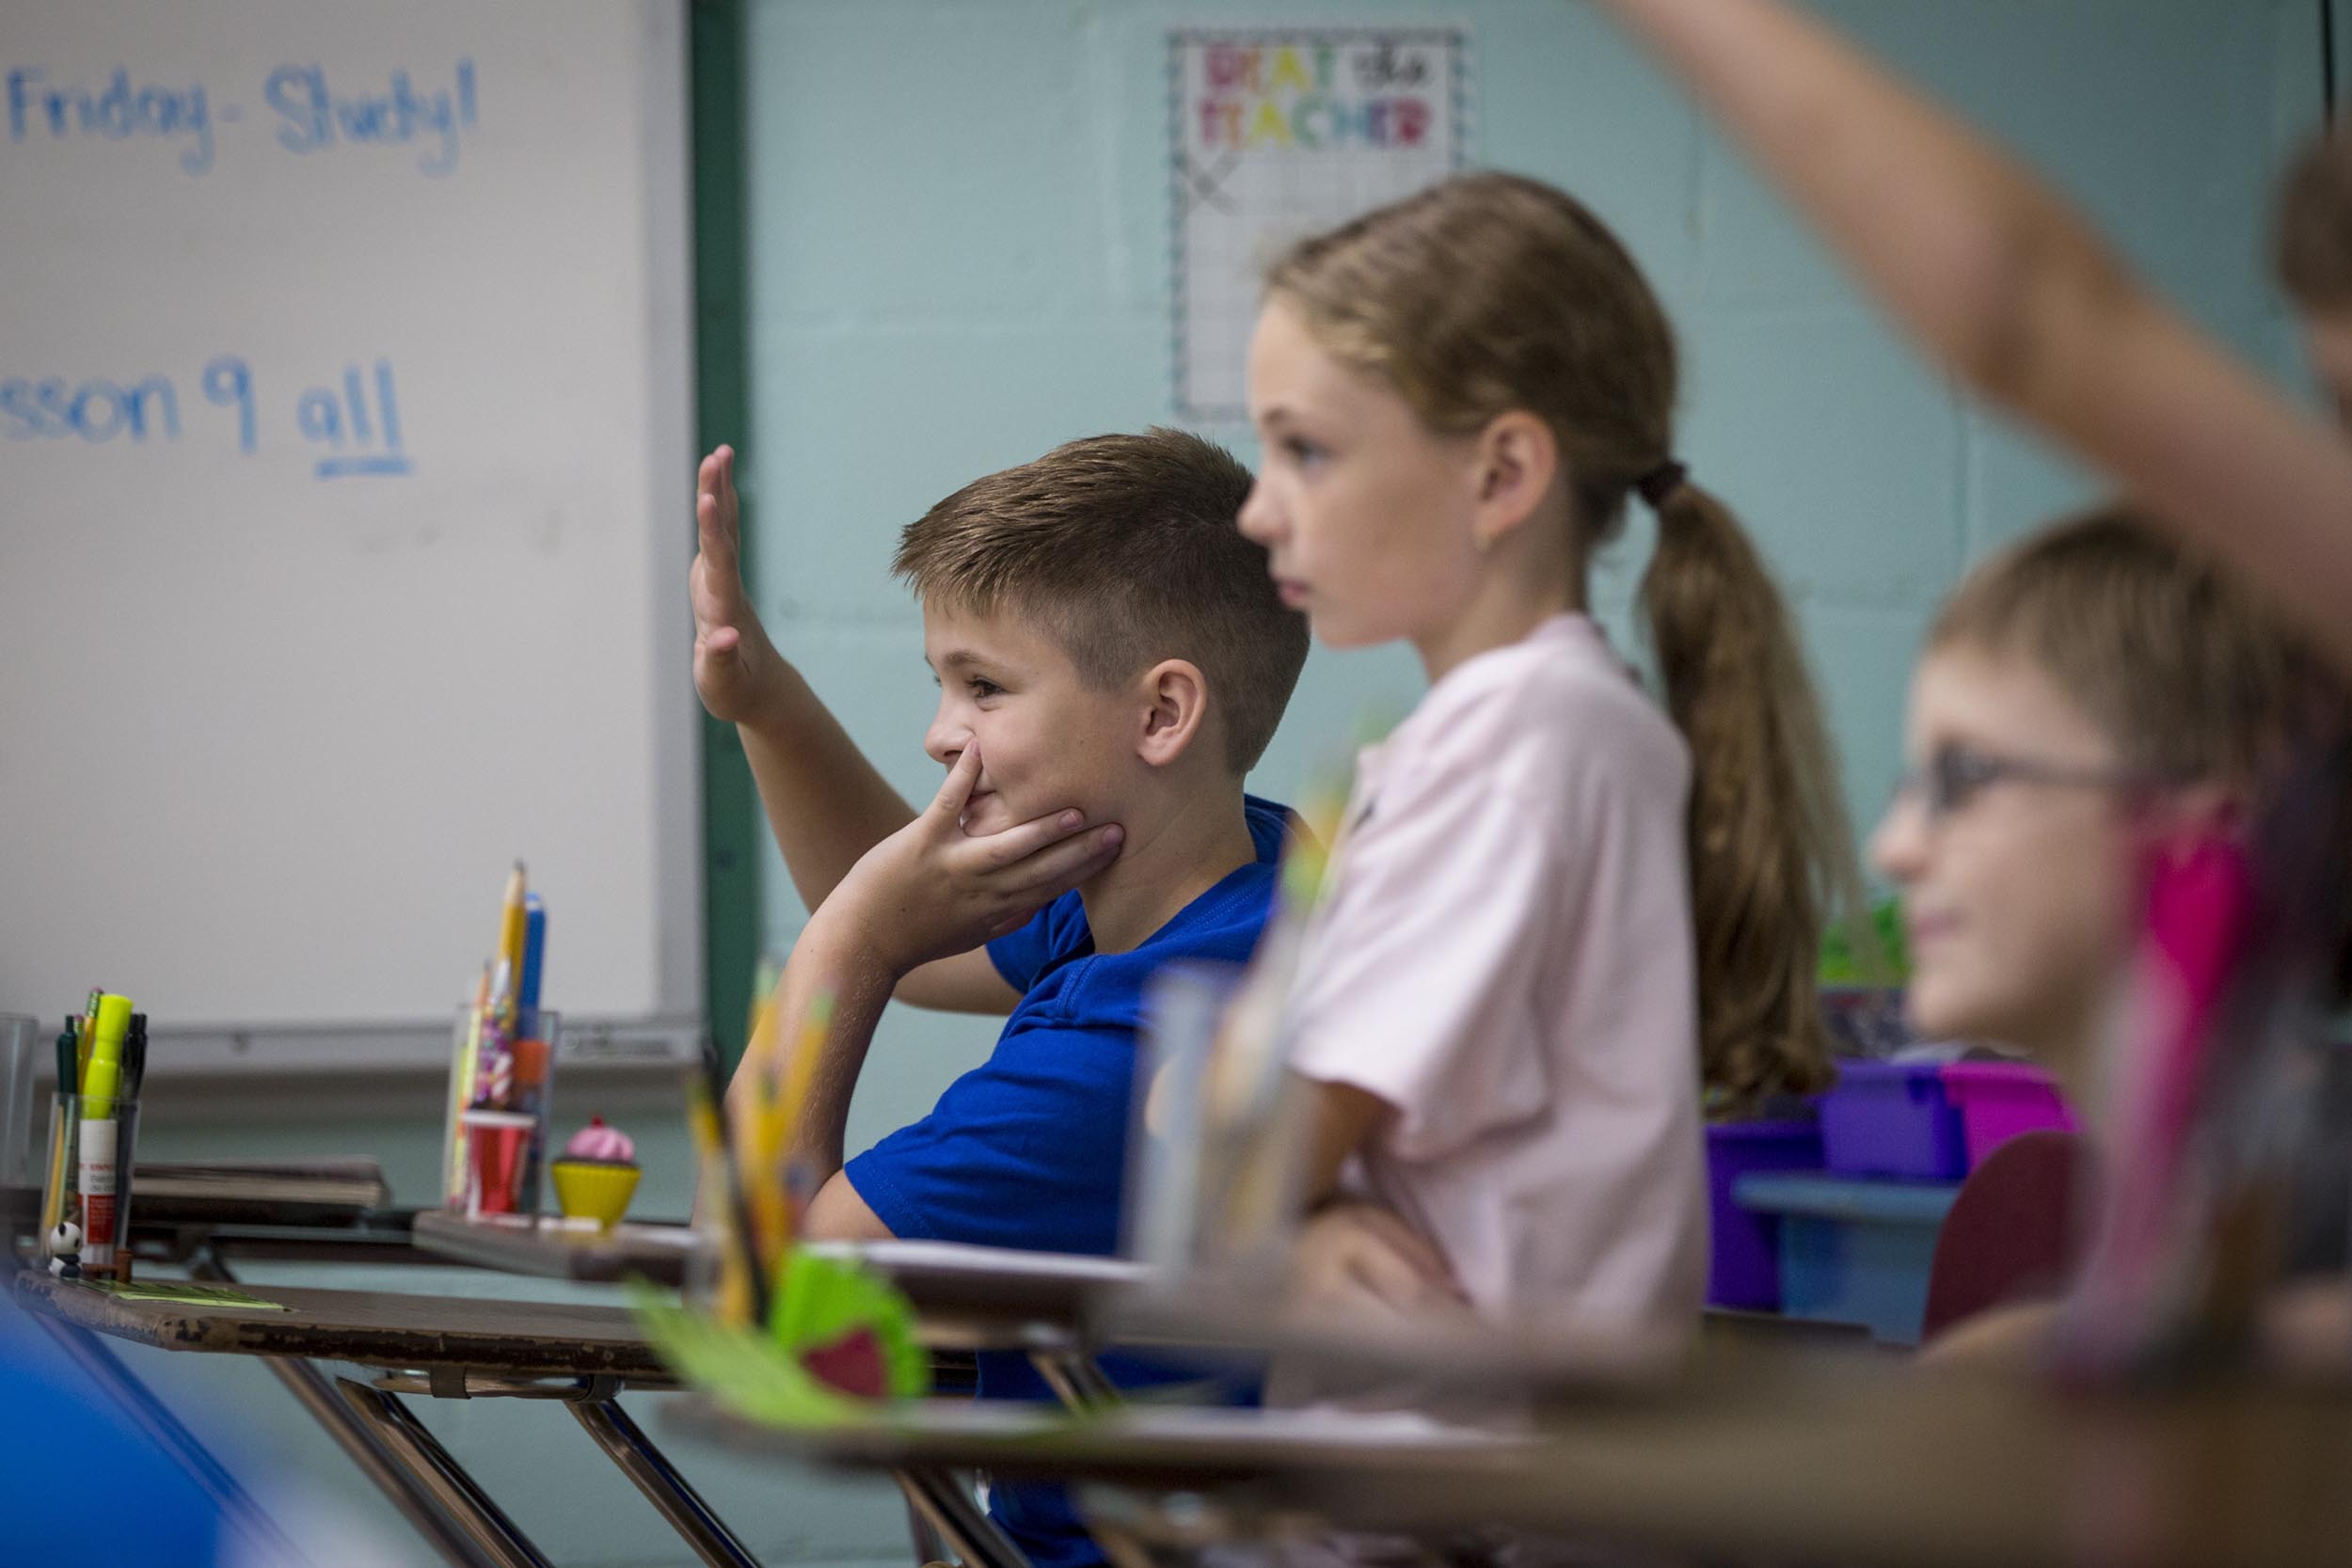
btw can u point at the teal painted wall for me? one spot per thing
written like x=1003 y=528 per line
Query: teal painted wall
x=955 y=216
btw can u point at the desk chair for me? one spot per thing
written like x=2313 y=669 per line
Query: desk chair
x=2007 y=1235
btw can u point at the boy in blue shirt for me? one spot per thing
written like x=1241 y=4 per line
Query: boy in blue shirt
x=1112 y=659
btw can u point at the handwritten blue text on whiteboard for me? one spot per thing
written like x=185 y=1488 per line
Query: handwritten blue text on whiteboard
x=308 y=112
x=350 y=425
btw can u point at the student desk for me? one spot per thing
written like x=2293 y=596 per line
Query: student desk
x=195 y=1231
x=1045 y=1287
x=968 y=1298
x=1188 y=1449
x=370 y=1238
x=1246 y=1459
x=202 y=1236
x=447 y=1347
x=556 y=1249
x=1769 y=1456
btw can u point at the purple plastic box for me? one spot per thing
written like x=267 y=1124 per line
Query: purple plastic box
x=1744 y=1268
x=2000 y=1100
x=1892 y=1118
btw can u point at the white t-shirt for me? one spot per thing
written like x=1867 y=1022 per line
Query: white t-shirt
x=1506 y=958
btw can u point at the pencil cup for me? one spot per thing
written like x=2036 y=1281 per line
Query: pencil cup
x=85 y=1201
x=500 y=1108
x=19 y=1039
x=1217 y=1150
x=19 y=1192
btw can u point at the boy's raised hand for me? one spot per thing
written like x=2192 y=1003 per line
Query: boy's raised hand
x=733 y=658
x=929 y=891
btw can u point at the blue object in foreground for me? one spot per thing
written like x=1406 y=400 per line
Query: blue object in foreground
x=83 y=1484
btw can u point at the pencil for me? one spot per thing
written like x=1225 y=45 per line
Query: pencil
x=764 y=986
x=461 y=1091
x=512 y=924
x=802 y=1073
x=748 y=1300
x=88 y=1038
x=762 y=1171
x=62 y=1136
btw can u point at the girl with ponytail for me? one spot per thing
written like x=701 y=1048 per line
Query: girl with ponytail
x=1561 y=927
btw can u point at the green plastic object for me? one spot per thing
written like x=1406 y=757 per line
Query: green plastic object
x=1890 y=966
x=840 y=1342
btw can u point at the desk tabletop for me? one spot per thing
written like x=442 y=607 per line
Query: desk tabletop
x=1050 y=1288
x=1807 y=1458
x=20 y=1209
x=374 y=1328
x=975 y=1286
x=554 y=1248
x=1901 y=1465
x=1178 y=1448
x=379 y=1239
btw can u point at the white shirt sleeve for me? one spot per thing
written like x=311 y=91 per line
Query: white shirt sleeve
x=1420 y=978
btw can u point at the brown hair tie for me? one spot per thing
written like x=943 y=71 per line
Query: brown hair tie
x=1659 y=485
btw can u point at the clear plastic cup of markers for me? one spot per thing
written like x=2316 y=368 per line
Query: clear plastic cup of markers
x=86 y=1187
x=500 y=1111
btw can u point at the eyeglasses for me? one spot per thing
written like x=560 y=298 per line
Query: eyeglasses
x=1954 y=775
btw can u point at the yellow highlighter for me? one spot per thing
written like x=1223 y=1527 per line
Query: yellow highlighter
x=98 y=1170
x=107 y=1047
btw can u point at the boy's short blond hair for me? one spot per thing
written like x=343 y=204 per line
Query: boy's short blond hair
x=2191 y=675
x=1126 y=550
x=2311 y=241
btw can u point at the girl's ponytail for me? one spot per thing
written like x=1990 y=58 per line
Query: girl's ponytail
x=1771 y=854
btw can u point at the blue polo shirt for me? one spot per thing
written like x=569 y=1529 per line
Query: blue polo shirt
x=1029 y=1149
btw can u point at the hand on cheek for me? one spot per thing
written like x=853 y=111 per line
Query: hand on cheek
x=932 y=889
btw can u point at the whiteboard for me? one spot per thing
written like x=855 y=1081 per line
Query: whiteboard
x=345 y=476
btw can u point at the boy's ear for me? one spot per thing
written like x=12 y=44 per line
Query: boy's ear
x=1176 y=707
x=1515 y=463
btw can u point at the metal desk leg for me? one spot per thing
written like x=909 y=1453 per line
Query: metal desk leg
x=400 y=1485
x=929 y=1548
x=413 y=1497
x=626 y=1444
x=156 y=1419
x=941 y=1499
x=1076 y=1379
x=422 y=1454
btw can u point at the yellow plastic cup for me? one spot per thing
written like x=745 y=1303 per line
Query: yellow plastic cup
x=593 y=1192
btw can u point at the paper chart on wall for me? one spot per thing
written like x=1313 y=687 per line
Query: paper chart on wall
x=1275 y=135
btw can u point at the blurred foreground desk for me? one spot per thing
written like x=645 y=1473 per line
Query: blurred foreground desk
x=1758 y=1456
x=1046 y=1289
x=967 y=1298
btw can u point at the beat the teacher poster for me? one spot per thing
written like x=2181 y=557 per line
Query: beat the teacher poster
x=1274 y=134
